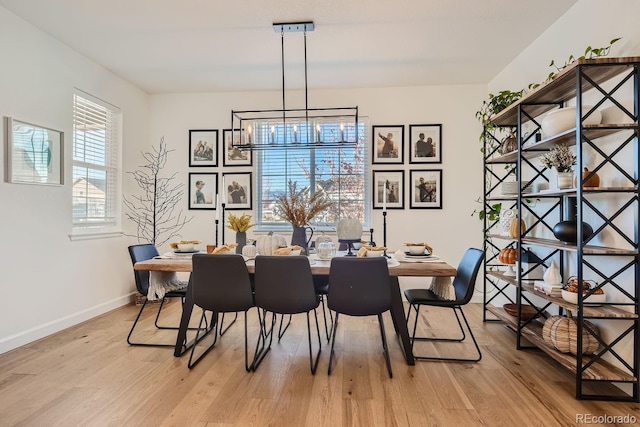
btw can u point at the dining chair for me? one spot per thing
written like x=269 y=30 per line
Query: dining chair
x=145 y=252
x=464 y=284
x=220 y=284
x=284 y=285
x=359 y=287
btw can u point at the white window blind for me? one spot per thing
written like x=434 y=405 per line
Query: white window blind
x=341 y=172
x=95 y=162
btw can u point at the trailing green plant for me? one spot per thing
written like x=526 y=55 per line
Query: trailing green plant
x=490 y=107
x=589 y=53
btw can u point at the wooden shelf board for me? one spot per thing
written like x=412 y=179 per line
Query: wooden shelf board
x=563 y=87
x=587 y=249
x=600 y=370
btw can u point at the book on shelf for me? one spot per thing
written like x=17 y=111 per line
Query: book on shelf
x=547 y=288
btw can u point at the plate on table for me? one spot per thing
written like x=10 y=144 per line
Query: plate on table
x=420 y=256
x=178 y=251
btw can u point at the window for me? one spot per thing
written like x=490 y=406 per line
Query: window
x=96 y=134
x=341 y=172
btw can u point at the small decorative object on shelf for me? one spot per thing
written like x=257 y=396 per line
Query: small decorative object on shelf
x=508 y=257
x=563 y=119
x=567 y=231
x=590 y=179
x=562 y=159
x=563 y=335
x=552 y=275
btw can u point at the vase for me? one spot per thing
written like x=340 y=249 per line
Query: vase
x=241 y=240
x=299 y=237
x=567 y=230
x=565 y=180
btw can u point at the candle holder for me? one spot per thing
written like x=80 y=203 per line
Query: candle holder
x=217 y=221
x=384 y=232
x=349 y=243
x=223 y=205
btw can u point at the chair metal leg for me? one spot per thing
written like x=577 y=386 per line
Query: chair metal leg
x=327 y=328
x=224 y=330
x=385 y=346
x=280 y=331
x=135 y=323
x=314 y=365
x=206 y=323
x=191 y=363
x=333 y=342
x=262 y=348
x=459 y=340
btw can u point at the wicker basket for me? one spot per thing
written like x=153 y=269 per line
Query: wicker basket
x=562 y=333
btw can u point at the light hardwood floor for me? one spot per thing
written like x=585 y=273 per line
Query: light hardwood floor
x=89 y=376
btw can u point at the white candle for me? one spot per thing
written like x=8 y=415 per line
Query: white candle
x=224 y=192
x=384 y=196
x=295 y=133
x=217 y=208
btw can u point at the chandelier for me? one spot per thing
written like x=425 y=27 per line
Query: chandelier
x=294 y=127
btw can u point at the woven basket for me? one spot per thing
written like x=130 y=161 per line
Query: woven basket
x=562 y=333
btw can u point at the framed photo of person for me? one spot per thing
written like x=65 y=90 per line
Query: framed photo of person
x=387 y=144
x=203 y=148
x=236 y=190
x=233 y=156
x=388 y=189
x=202 y=190
x=425 y=145
x=426 y=189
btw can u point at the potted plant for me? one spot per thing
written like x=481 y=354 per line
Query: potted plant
x=240 y=224
x=299 y=207
x=490 y=107
x=563 y=160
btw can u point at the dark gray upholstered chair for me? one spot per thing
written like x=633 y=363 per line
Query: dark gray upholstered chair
x=220 y=284
x=142 y=253
x=463 y=283
x=284 y=285
x=359 y=287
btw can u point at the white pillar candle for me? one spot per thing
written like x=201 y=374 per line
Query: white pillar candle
x=217 y=208
x=384 y=196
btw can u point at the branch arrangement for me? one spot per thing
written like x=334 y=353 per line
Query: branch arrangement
x=154 y=210
x=299 y=206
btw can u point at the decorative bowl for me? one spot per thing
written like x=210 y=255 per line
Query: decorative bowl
x=185 y=247
x=372 y=253
x=572 y=297
x=528 y=312
x=416 y=250
x=563 y=119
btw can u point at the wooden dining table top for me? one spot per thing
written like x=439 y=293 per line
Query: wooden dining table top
x=318 y=267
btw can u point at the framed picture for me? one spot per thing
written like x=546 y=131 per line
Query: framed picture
x=426 y=189
x=202 y=190
x=203 y=148
x=233 y=156
x=35 y=154
x=425 y=145
x=236 y=190
x=388 y=144
x=388 y=189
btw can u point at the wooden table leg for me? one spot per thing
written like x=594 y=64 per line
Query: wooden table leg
x=400 y=321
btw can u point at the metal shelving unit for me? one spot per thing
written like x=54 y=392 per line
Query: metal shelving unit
x=610 y=256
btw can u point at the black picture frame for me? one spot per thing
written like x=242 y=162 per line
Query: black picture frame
x=427 y=149
x=240 y=196
x=203 y=148
x=387 y=137
x=425 y=190
x=203 y=197
x=394 y=180
x=232 y=156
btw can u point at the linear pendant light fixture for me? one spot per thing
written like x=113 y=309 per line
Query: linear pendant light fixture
x=306 y=127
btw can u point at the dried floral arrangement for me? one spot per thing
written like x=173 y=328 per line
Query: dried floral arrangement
x=239 y=224
x=299 y=206
x=560 y=157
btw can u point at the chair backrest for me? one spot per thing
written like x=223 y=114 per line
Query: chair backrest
x=284 y=284
x=142 y=253
x=359 y=286
x=465 y=279
x=221 y=283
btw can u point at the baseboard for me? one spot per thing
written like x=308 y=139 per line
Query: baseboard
x=25 y=337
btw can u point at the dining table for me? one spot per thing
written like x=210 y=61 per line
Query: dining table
x=433 y=268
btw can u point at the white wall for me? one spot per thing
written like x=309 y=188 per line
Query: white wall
x=450 y=230
x=594 y=23
x=49 y=282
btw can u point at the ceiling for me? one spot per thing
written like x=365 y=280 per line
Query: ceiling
x=165 y=46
